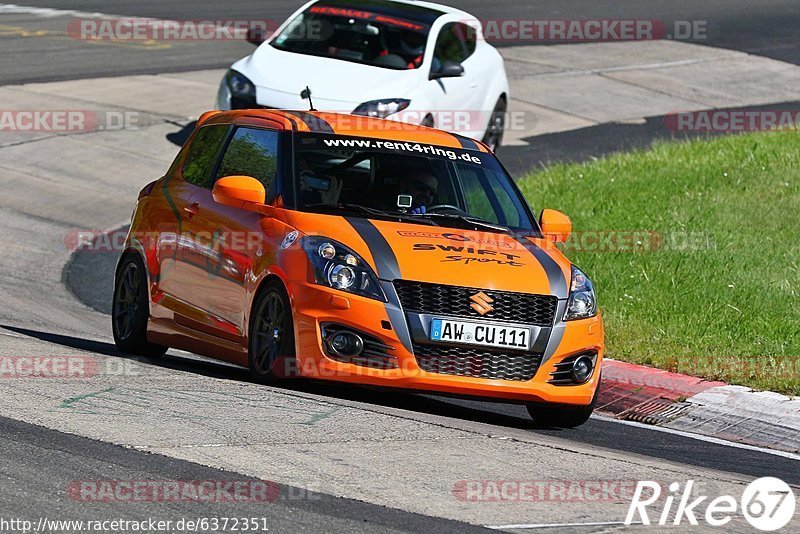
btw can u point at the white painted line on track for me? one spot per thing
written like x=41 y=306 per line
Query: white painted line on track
x=530 y=526
x=700 y=437
x=46 y=12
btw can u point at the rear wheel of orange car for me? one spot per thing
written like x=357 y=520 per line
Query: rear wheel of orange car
x=560 y=416
x=131 y=309
x=272 y=350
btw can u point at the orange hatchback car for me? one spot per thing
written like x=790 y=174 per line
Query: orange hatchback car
x=359 y=250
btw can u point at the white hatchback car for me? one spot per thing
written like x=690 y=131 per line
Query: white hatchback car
x=416 y=62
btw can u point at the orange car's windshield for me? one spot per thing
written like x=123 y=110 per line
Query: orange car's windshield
x=421 y=182
x=361 y=32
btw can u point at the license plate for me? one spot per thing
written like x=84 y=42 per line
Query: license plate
x=489 y=335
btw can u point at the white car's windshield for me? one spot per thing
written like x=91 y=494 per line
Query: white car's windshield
x=373 y=32
x=415 y=181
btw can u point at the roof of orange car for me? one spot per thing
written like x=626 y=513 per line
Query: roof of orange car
x=342 y=124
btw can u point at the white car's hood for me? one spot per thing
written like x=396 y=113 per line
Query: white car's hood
x=336 y=85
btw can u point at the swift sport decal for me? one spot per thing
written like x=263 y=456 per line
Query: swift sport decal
x=471 y=255
x=450 y=236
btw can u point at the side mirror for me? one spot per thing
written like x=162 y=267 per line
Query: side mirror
x=239 y=192
x=555 y=226
x=449 y=69
x=256 y=36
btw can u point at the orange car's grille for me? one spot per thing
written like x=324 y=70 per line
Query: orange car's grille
x=436 y=299
x=477 y=363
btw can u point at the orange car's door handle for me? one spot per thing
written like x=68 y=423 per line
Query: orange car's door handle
x=191 y=210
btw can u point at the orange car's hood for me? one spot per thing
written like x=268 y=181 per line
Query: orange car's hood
x=449 y=256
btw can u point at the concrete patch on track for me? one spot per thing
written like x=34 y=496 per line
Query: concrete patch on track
x=737 y=413
x=689 y=404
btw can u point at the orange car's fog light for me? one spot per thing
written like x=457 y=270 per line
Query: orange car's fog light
x=574 y=370
x=582 y=369
x=348 y=345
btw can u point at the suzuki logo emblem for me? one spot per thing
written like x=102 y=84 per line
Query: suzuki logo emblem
x=481 y=303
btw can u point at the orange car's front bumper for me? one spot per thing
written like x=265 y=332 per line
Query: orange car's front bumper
x=314 y=305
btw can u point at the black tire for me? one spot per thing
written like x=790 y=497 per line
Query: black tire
x=271 y=349
x=131 y=309
x=562 y=416
x=493 y=137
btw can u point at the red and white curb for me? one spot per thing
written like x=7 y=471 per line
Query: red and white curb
x=694 y=405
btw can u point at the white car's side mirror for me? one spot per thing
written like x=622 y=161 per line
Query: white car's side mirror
x=449 y=69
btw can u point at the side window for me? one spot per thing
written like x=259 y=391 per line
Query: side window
x=510 y=212
x=252 y=152
x=200 y=159
x=468 y=37
x=491 y=199
x=449 y=46
x=478 y=203
x=456 y=42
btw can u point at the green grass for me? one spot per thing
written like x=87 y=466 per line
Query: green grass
x=719 y=298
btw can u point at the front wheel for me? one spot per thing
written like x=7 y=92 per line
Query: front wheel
x=131 y=309
x=561 y=416
x=493 y=137
x=271 y=349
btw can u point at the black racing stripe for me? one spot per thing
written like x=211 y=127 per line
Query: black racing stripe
x=466 y=142
x=558 y=282
x=388 y=270
x=385 y=260
x=293 y=123
x=556 y=334
x=396 y=316
x=314 y=123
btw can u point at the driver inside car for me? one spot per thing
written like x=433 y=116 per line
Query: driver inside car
x=422 y=187
x=315 y=188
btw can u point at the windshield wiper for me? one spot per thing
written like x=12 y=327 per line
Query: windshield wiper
x=469 y=221
x=372 y=212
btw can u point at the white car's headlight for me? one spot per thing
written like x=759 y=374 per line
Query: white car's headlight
x=243 y=91
x=382 y=108
x=582 y=302
x=337 y=266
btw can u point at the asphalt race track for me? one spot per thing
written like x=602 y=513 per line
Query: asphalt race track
x=43 y=52
x=64 y=455
x=373 y=460
x=90 y=277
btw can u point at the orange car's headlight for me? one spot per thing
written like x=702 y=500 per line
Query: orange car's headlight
x=582 y=302
x=337 y=266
